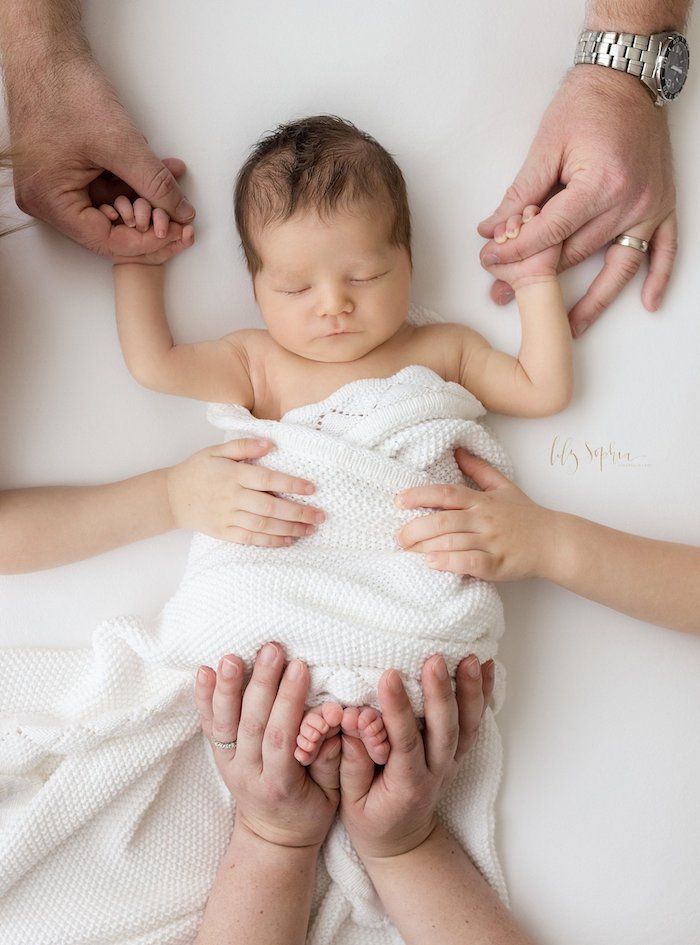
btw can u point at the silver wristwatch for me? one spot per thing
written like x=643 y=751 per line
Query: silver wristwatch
x=661 y=60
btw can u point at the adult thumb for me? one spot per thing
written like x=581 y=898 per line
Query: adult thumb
x=483 y=474
x=356 y=769
x=139 y=167
x=534 y=181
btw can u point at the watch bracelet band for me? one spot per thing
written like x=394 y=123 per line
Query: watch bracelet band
x=626 y=52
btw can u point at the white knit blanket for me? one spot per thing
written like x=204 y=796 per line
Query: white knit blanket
x=113 y=816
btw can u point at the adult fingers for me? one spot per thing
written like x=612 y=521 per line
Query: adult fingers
x=356 y=770
x=282 y=728
x=561 y=216
x=107 y=186
x=590 y=238
x=204 y=689
x=479 y=470
x=226 y=700
x=662 y=249
x=621 y=264
x=139 y=167
x=533 y=182
x=258 y=700
x=427 y=527
x=474 y=688
x=441 y=715
x=407 y=749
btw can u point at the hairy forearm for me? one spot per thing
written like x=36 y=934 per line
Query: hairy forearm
x=435 y=894
x=262 y=893
x=637 y=16
x=27 y=24
x=46 y=527
x=655 y=581
x=144 y=334
x=545 y=359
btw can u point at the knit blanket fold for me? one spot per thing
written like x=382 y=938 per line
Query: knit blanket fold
x=113 y=817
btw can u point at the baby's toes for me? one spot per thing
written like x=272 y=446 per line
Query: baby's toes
x=142 y=214
x=499 y=233
x=333 y=714
x=530 y=211
x=513 y=224
x=312 y=732
x=350 y=722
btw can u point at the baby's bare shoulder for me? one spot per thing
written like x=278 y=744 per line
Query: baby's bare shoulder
x=447 y=344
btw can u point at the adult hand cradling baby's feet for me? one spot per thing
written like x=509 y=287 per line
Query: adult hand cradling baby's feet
x=293 y=804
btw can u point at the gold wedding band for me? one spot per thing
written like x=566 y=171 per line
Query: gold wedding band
x=632 y=241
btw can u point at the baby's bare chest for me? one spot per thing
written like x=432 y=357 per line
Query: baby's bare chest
x=283 y=381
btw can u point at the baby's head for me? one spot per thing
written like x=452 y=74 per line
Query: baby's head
x=322 y=213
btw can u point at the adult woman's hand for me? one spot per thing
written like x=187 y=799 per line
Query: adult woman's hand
x=393 y=812
x=498 y=534
x=277 y=798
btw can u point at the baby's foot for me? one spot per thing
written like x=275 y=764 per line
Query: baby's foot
x=318 y=725
x=511 y=228
x=366 y=722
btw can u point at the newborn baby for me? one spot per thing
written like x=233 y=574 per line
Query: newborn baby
x=324 y=222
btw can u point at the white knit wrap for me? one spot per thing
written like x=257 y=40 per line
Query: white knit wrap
x=113 y=817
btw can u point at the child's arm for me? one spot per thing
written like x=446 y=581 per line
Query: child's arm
x=539 y=382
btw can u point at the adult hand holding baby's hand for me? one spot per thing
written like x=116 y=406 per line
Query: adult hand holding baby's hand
x=218 y=493
x=75 y=148
x=393 y=811
x=540 y=267
x=605 y=142
x=496 y=535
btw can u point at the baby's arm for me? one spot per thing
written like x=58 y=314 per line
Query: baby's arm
x=539 y=382
x=208 y=370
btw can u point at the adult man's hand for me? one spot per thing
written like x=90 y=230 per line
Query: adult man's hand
x=75 y=147
x=606 y=143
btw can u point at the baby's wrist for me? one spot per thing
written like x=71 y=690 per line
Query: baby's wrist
x=544 y=279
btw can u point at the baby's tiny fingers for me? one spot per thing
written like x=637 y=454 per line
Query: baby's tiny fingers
x=530 y=211
x=125 y=209
x=160 y=222
x=142 y=214
x=109 y=212
x=499 y=233
x=513 y=224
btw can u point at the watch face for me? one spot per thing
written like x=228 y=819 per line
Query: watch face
x=674 y=68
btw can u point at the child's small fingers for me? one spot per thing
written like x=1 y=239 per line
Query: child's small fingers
x=142 y=214
x=160 y=222
x=109 y=212
x=513 y=224
x=125 y=209
x=530 y=211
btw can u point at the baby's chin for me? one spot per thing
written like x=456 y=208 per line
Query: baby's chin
x=336 y=349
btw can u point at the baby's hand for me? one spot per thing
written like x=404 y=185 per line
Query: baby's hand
x=141 y=216
x=540 y=267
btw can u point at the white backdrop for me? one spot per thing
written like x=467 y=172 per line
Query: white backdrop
x=599 y=827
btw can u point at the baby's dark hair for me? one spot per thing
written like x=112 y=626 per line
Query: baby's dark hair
x=320 y=163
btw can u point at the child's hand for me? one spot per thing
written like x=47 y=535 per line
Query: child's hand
x=540 y=267
x=498 y=534
x=140 y=215
x=217 y=492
